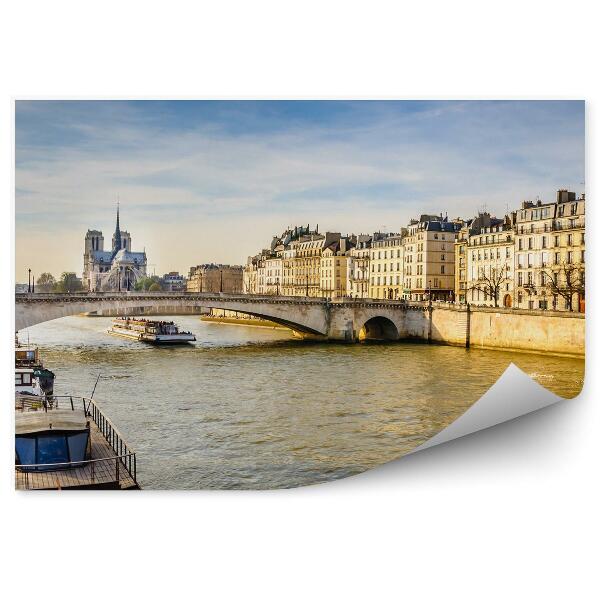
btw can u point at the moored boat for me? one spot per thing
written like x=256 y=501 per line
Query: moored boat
x=30 y=375
x=147 y=330
x=69 y=444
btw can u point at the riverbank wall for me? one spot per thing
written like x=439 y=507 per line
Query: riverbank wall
x=538 y=331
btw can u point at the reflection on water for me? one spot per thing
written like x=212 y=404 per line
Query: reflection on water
x=249 y=407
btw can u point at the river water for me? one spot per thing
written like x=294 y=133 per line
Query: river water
x=248 y=407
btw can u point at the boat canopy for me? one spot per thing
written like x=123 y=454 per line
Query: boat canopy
x=55 y=420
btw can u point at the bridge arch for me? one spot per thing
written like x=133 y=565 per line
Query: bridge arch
x=378 y=328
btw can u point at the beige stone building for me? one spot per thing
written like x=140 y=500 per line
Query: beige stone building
x=303 y=264
x=429 y=258
x=386 y=262
x=334 y=268
x=273 y=274
x=550 y=253
x=215 y=278
x=250 y=275
x=357 y=284
x=484 y=262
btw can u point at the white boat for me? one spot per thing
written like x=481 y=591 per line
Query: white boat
x=30 y=375
x=153 y=332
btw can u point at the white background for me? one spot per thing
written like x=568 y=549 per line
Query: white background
x=506 y=513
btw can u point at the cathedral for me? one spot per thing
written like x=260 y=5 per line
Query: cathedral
x=111 y=270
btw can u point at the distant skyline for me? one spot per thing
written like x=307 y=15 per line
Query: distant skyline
x=213 y=181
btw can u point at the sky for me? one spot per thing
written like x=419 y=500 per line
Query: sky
x=213 y=181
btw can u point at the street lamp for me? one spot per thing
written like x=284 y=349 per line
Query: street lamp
x=307 y=284
x=33 y=284
x=29 y=281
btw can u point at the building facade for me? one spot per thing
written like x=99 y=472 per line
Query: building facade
x=114 y=270
x=215 y=278
x=386 y=260
x=550 y=253
x=429 y=258
x=358 y=267
x=173 y=282
x=484 y=262
x=334 y=268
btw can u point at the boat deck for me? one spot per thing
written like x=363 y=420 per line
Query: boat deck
x=106 y=469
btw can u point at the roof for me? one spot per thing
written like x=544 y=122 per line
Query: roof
x=54 y=420
x=123 y=255
x=102 y=255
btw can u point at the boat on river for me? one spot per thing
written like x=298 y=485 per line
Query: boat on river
x=147 y=330
x=31 y=378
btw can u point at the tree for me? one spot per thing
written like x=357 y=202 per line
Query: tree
x=45 y=282
x=491 y=284
x=143 y=284
x=68 y=282
x=565 y=282
x=155 y=287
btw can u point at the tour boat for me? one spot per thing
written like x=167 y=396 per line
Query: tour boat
x=30 y=375
x=153 y=332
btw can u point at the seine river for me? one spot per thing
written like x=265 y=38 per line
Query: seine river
x=248 y=407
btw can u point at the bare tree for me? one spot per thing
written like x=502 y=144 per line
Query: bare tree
x=491 y=284
x=45 y=282
x=565 y=282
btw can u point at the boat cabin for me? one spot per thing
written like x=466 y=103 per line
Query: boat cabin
x=44 y=439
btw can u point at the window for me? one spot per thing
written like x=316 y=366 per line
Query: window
x=544 y=241
x=443 y=269
x=443 y=257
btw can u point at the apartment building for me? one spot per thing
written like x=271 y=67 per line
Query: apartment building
x=484 y=261
x=386 y=260
x=334 y=267
x=429 y=258
x=550 y=253
x=215 y=278
x=357 y=284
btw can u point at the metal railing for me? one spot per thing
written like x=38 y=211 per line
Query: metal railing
x=56 y=475
x=123 y=453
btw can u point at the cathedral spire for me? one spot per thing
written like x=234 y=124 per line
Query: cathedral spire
x=117 y=236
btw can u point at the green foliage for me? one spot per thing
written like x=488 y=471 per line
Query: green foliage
x=68 y=282
x=45 y=283
x=155 y=287
x=144 y=284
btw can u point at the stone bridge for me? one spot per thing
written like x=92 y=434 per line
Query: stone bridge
x=344 y=319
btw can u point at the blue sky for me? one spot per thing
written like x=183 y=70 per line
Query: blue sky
x=214 y=180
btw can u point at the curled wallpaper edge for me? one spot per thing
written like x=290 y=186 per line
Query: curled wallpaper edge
x=514 y=394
